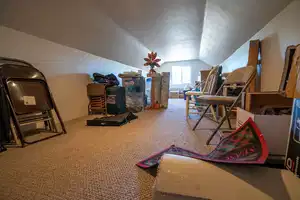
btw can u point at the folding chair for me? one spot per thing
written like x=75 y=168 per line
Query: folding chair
x=242 y=76
x=208 y=89
x=30 y=101
x=97 y=95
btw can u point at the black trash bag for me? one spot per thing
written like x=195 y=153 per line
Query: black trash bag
x=112 y=80
x=99 y=78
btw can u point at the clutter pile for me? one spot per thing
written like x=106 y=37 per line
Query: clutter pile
x=135 y=94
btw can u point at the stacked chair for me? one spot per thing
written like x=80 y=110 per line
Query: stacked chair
x=29 y=102
x=208 y=89
x=239 y=77
x=97 y=96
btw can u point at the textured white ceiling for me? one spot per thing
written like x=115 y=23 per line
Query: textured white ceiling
x=79 y=24
x=122 y=29
x=173 y=28
x=229 y=24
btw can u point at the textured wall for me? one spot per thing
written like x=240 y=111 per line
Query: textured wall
x=65 y=68
x=280 y=32
x=79 y=24
x=196 y=66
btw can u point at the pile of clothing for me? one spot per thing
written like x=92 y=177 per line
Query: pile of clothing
x=109 y=80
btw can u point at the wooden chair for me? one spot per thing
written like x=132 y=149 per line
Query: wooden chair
x=242 y=76
x=208 y=89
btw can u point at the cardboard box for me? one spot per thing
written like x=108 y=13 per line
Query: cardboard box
x=292 y=88
x=165 y=87
x=275 y=129
x=293 y=150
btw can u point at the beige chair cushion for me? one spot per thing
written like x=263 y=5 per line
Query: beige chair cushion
x=216 y=100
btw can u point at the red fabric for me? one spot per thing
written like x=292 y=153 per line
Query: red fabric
x=246 y=145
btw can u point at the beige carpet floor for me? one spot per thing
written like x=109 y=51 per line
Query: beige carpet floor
x=97 y=162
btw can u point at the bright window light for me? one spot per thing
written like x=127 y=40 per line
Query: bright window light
x=181 y=75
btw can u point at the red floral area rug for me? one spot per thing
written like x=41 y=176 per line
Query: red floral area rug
x=246 y=145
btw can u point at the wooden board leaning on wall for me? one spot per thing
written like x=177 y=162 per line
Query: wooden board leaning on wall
x=292 y=88
x=254 y=60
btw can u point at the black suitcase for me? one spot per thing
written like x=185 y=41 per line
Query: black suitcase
x=117 y=120
x=116 y=103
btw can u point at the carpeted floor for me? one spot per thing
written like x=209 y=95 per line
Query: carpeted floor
x=97 y=162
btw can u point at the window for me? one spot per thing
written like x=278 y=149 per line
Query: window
x=181 y=75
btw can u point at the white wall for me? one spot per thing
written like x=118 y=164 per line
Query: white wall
x=66 y=68
x=196 y=66
x=280 y=32
x=79 y=24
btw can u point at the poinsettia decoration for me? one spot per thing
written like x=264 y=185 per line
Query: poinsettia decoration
x=152 y=61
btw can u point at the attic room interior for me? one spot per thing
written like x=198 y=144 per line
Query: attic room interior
x=162 y=100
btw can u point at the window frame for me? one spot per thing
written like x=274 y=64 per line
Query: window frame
x=182 y=72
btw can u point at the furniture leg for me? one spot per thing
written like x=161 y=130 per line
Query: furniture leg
x=243 y=100
x=187 y=108
x=227 y=117
x=216 y=131
x=248 y=102
x=201 y=117
x=213 y=113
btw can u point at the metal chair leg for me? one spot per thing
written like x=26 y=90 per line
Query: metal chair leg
x=187 y=107
x=216 y=131
x=213 y=113
x=227 y=117
x=201 y=117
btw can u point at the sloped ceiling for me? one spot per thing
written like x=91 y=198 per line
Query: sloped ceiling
x=79 y=24
x=124 y=30
x=228 y=24
x=171 y=27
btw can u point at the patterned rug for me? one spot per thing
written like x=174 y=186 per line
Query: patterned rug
x=246 y=145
